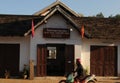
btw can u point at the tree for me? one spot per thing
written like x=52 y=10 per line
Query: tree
x=117 y=16
x=100 y=15
x=111 y=16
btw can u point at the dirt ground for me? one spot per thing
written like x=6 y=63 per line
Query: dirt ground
x=107 y=80
x=55 y=80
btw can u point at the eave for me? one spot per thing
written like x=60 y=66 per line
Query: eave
x=46 y=9
x=60 y=10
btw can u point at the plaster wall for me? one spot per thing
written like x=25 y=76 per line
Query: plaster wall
x=85 y=55
x=82 y=46
x=28 y=45
x=24 y=48
x=56 y=21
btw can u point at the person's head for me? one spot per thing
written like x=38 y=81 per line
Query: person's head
x=78 y=61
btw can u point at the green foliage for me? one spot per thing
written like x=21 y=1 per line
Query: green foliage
x=111 y=16
x=117 y=16
x=100 y=15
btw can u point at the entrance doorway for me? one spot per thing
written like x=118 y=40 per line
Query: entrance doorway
x=103 y=60
x=55 y=59
x=9 y=59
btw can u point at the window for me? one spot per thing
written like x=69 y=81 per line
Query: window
x=51 y=52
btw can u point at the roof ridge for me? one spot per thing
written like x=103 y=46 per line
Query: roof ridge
x=57 y=2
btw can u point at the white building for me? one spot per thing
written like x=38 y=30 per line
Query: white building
x=57 y=42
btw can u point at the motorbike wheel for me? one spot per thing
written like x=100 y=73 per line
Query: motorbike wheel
x=62 y=81
x=91 y=81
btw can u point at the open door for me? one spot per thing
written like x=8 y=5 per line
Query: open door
x=59 y=64
x=55 y=59
x=41 y=60
x=9 y=59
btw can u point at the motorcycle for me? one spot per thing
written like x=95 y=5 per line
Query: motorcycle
x=86 y=79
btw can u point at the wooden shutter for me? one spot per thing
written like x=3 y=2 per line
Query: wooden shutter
x=110 y=63
x=69 y=58
x=41 y=60
x=103 y=60
x=96 y=59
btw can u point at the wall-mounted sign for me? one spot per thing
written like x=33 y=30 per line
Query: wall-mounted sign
x=56 y=33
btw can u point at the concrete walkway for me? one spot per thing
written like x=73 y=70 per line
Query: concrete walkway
x=56 y=80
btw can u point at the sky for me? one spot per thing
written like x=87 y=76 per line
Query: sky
x=85 y=7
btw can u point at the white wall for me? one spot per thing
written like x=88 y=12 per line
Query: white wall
x=24 y=48
x=82 y=46
x=55 y=21
x=28 y=46
x=85 y=55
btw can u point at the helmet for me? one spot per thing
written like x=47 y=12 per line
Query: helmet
x=78 y=60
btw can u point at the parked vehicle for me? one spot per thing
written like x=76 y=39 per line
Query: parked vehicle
x=87 y=79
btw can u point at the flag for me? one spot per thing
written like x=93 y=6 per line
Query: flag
x=32 y=27
x=82 y=31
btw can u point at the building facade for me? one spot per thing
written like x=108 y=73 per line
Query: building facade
x=57 y=42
